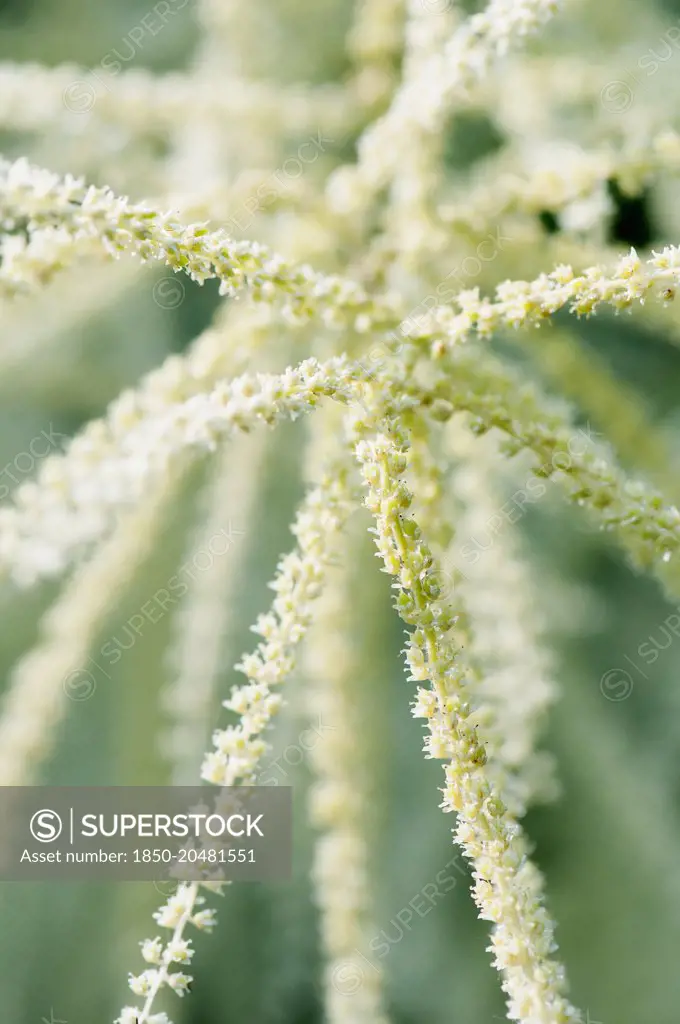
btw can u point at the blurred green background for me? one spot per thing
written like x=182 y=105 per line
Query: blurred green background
x=610 y=847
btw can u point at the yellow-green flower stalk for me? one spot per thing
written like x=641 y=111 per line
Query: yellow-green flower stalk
x=614 y=407
x=646 y=526
x=68 y=220
x=508 y=888
x=331 y=199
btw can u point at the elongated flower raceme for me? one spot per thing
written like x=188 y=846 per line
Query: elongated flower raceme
x=71 y=220
x=425 y=99
x=375 y=42
x=507 y=886
x=338 y=809
x=68 y=220
x=338 y=806
x=563 y=182
x=57 y=668
x=197 y=650
x=646 y=526
x=486 y=588
x=616 y=410
x=418 y=175
x=481 y=622
x=516 y=685
x=138 y=104
x=384 y=206
x=238 y=749
x=103 y=472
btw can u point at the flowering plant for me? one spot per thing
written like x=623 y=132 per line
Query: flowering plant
x=340 y=306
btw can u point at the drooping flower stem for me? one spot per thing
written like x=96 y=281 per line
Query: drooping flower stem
x=508 y=888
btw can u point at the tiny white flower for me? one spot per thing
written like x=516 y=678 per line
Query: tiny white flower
x=141 y=984
x=179 y=983
x=152 y=950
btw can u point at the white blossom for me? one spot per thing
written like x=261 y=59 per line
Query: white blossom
x=332 y=218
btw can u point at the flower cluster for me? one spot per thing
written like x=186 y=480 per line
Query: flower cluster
x=413 y=399
x=507 y=886
x=339 y=807
x=181 y=909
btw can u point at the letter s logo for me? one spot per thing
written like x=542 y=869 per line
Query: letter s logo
x=46 y=826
